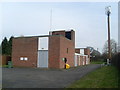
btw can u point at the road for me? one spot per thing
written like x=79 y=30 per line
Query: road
x=43 y=78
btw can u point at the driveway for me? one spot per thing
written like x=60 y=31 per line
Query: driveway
x=43 y=78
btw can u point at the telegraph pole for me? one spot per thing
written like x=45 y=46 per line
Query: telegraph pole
x=108 y=12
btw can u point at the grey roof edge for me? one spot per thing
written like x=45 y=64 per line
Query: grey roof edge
x=36 y=36
x=81 y=48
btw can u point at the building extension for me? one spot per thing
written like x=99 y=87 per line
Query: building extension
x=31 y=51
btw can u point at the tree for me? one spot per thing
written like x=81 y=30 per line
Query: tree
x=113 y=45
x=5 y=46
x=10 y=45
x=95 y=54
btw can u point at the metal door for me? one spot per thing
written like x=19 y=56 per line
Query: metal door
x=43 y=58
x=83 y=60
x=79 y=60
x=86 y=59
x=75 y=60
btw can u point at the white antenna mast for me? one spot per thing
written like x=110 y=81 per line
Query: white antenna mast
x=51 y=20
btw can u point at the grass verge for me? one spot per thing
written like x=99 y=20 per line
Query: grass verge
x=5 y=66
x=97 y=62
x=105 y=77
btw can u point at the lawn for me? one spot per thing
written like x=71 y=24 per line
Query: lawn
x=5 y=66
x=97 y=62
x=105 y=77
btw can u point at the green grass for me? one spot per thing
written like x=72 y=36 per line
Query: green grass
x=97 y=62
x=5 y=66
x=105 y=77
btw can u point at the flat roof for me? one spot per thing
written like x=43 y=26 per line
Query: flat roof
x=37 y=36
x=80 y=48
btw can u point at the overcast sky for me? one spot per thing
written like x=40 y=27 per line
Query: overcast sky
x=88 y=19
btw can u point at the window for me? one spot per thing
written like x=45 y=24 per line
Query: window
x=67 y=50
x=23 y=58
x=68 y=35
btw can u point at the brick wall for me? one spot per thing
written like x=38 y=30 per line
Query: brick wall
x=54 y=52
x=81 y=60
x=25 y=47
x=59 y=33
x=63 y=33
x=60 y=47
x=73 y=36
x=64 y=45
x=77 y=51
x=78 y=60
x=87 y=52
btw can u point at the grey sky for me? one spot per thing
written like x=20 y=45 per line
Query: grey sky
x=88 y=19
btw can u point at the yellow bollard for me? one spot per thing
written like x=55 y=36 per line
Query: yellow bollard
x=67 y=66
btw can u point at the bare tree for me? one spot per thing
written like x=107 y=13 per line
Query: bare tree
x=113 y=44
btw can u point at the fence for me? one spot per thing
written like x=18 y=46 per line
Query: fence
x=116 y=60
x=4 y=59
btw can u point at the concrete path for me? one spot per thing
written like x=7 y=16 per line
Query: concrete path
x=43 y=78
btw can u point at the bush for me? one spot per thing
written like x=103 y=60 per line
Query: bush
x=116 y=60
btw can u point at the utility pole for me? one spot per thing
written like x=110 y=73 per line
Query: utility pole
x=108 y=12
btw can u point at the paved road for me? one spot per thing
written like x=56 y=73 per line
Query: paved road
x=43 y=78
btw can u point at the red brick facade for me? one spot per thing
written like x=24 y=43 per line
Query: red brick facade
x=59 y=33
x=87 y=51
x=63 y=33
x=81 y=60
x=85 y=57
x=77 y=51
x=67 y=50
x=73 y=36
x=61 y=45
x=25 y=47
x=54 y=52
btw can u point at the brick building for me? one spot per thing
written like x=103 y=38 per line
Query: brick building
x=61 y=44
x=82 y=56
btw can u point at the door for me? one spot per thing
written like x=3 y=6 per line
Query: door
x=86 y=59
x=75 y=60
x=79 y=60
x=43 y=58
x=83 y=60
